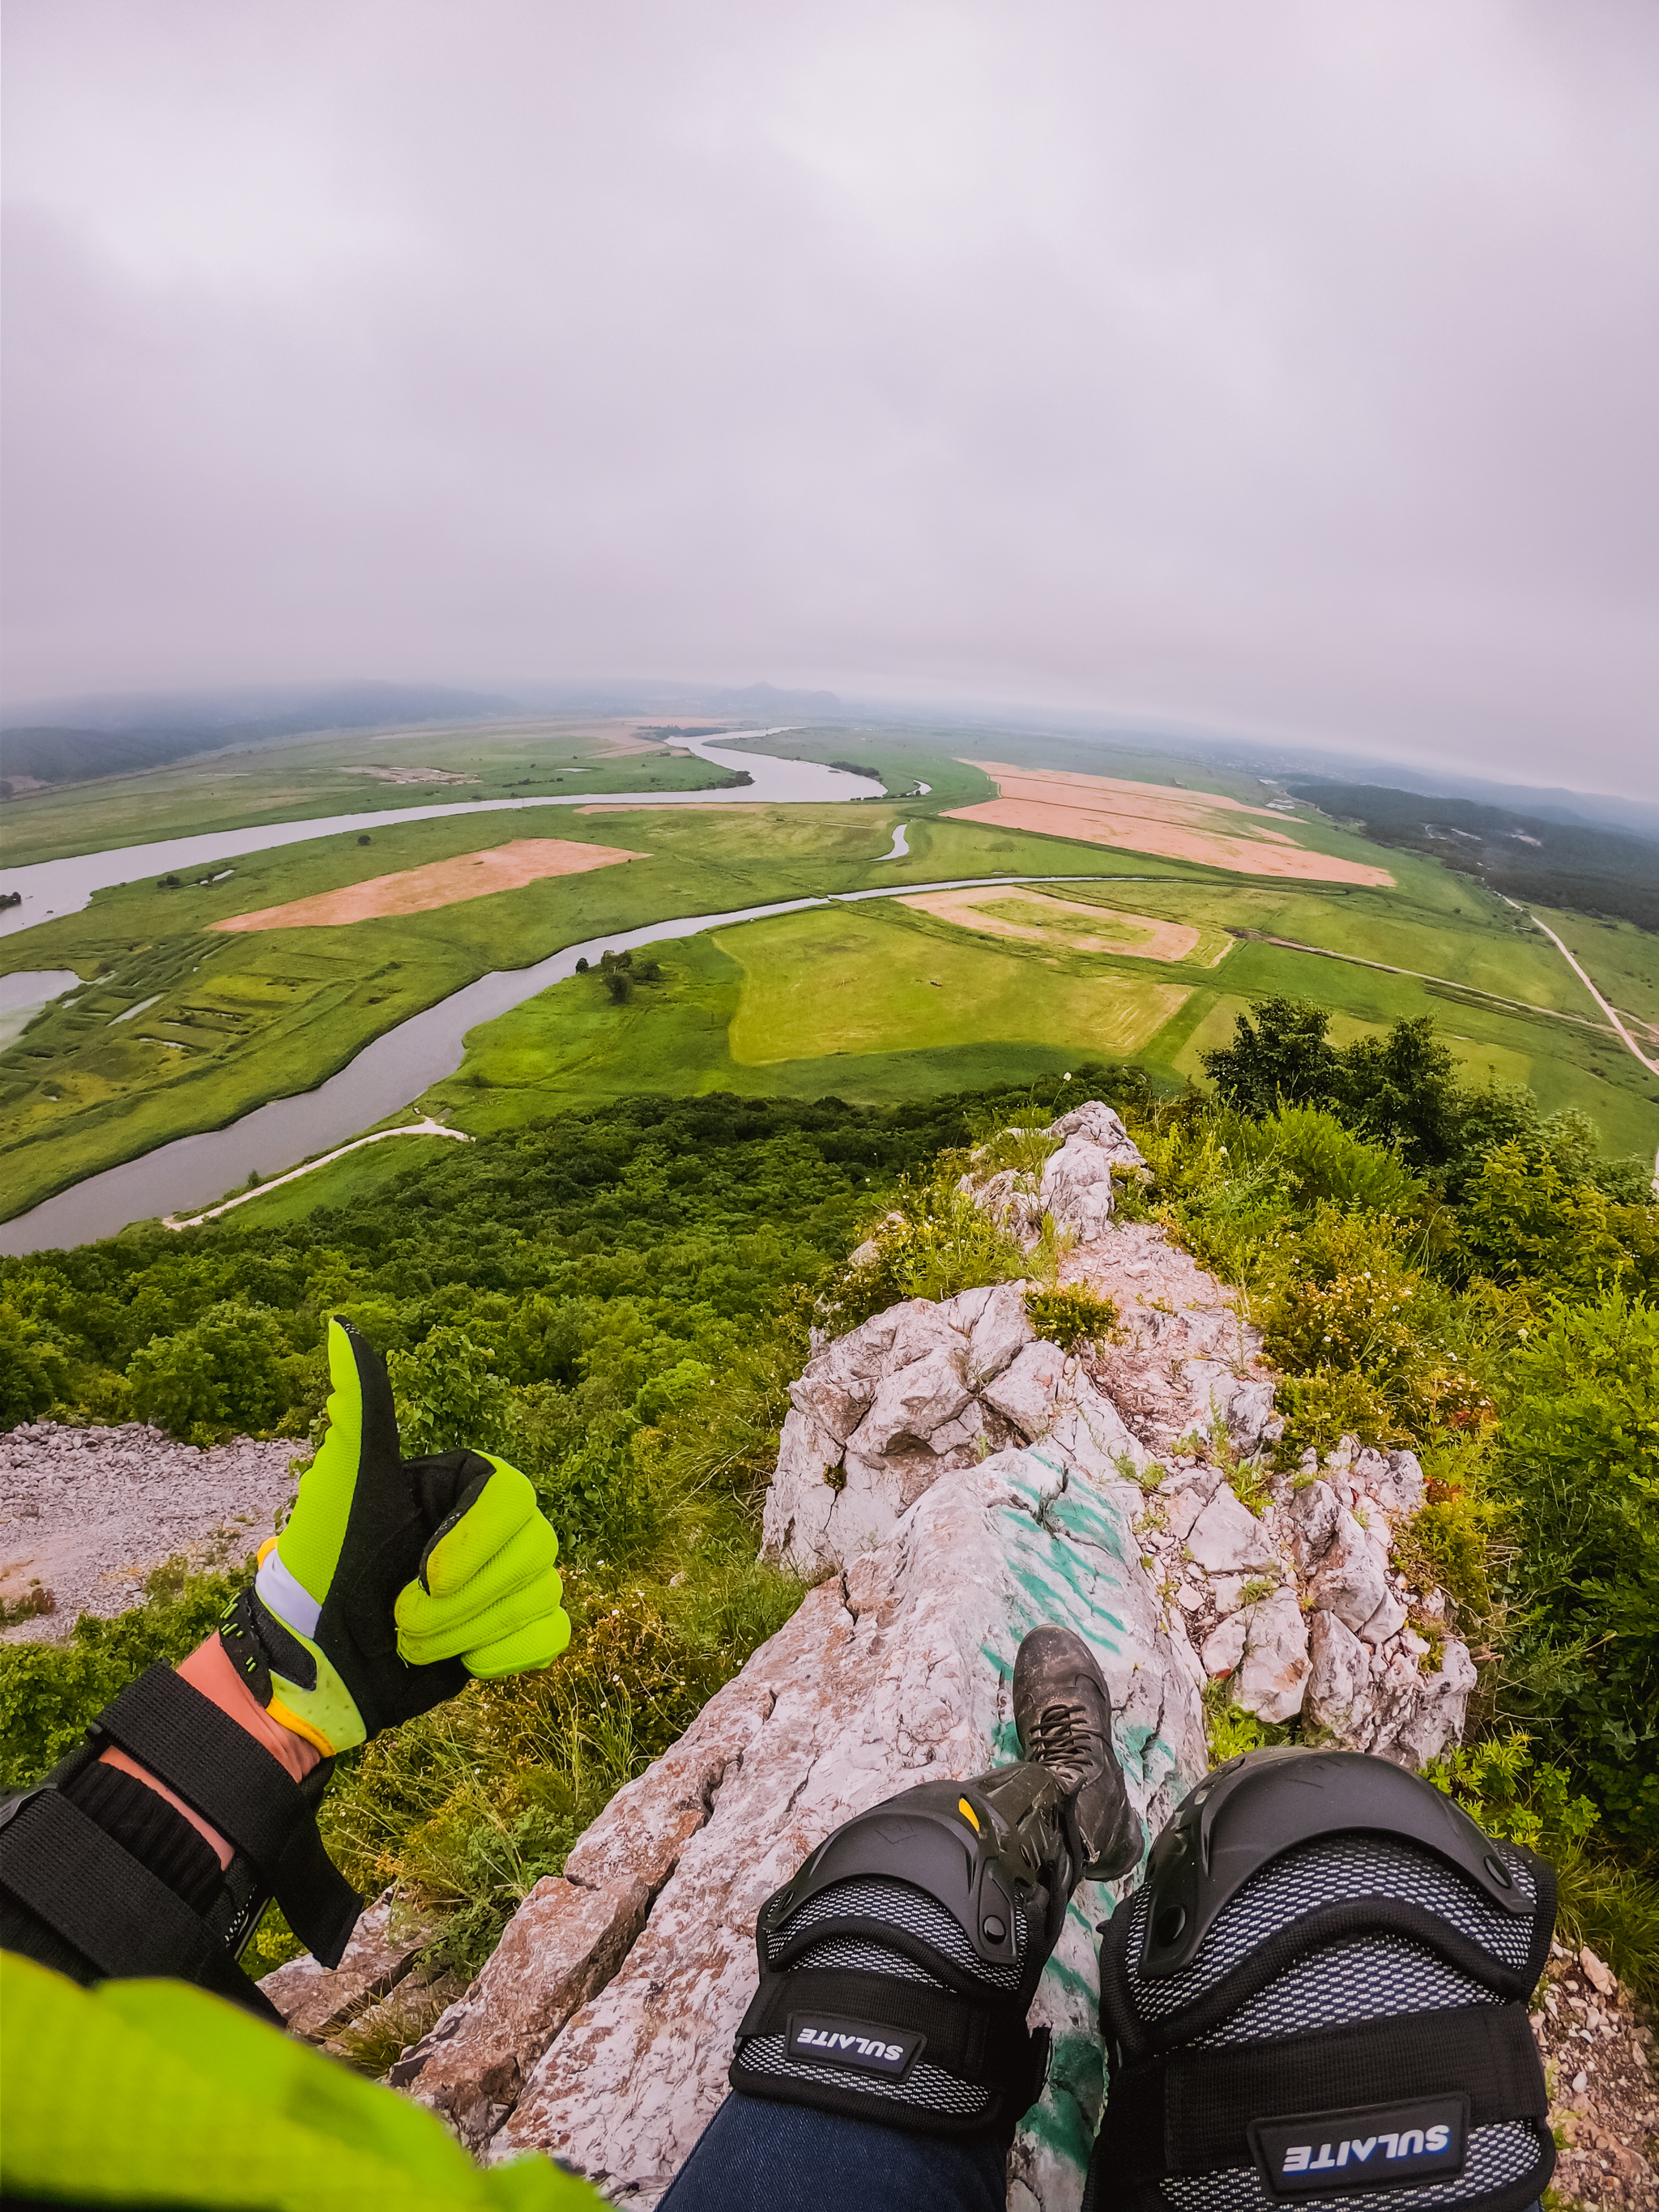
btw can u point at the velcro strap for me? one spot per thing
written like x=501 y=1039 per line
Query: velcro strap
x=983 y=2043
x=1190 y=2113
x=107 y=1905
x=232 y=1782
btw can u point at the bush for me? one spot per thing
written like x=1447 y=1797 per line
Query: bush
x=448 y=1396
x=33 y=1365
x=229 y=1370
x=937 y=1243
x=1072 y=1318
x=1313 y=1156
x=1578 y=1462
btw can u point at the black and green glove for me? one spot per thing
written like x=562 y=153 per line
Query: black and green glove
x=395 y=1580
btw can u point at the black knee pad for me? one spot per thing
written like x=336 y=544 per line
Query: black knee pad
x=896 y=1970
x=1319 y=1998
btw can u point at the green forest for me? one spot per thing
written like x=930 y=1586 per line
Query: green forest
x=616 y=1299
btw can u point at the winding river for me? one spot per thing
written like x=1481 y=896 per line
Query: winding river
x=386 y=1076
x=59 y=887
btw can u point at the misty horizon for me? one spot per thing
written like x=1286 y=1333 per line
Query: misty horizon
x=1280 y=384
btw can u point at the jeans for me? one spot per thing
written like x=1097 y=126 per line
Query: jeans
x=756 y=2156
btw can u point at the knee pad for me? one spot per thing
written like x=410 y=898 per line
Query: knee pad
x=1319 y=1998
x=897 y=1969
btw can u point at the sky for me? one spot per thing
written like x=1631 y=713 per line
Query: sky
x=1262 y=366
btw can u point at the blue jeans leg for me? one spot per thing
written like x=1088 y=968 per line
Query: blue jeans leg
x=756 y=2156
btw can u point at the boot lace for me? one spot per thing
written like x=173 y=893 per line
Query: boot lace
x=1061 y=1740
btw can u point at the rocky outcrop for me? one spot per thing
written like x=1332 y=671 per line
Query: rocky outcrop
x=317 y=2001
x=894 y=1670
x=950 y=1480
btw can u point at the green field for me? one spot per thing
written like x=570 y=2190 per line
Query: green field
x=878 y=1002
x=298 y=779
x=185 y=1029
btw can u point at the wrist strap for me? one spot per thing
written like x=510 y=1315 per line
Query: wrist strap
x=224 y=1774
x=107 y=1905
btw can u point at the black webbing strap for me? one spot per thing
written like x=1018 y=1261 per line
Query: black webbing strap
x=982 y=2043
x=109 y=1907
x=1190 y=2113
x=187 y=1742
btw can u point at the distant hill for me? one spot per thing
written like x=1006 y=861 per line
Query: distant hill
x=118 y=736
x=1526 y=856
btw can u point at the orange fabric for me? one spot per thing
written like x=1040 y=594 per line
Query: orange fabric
x=208 y=1670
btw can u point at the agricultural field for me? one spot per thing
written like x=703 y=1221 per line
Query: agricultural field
x=204 y=999
x=882 y=1001
x=347 y=772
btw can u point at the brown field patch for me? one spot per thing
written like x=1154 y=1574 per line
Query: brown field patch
x=1040 y=918
x=439 y=883
x=1155 y=818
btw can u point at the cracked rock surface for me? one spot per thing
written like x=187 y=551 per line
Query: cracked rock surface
x=893 y=1671
x=88 y=1513
x=952 y=1480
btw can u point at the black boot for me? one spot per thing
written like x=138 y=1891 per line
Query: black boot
x=1063 y=1712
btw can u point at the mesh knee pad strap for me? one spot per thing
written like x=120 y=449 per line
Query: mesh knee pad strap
x=1350 y=2033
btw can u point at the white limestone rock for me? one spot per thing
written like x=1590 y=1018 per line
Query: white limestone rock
x=1027 y=1392
x=1438 y=1712
x=1227 y=1538
x=1386 y=1622
x=1274 y=1677
x=1338 y=1684
x=879 y=1415
x=1076 y=1189
x=1224 y=1647
x=1394 y=1481
x=1184 y=1494
x=1099 y=1125
x=897 y=1672
x=1315 y=1510
x=1349 y=1581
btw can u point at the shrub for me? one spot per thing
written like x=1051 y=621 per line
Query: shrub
x=1280 y=1056
x=1579 y=1462
x=1072 y=1318
x=448 y=1394
x=939 y=1243
x=230 y=1370
x=1312 y=1156
x=33 y=1365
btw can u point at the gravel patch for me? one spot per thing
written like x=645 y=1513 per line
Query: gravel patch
x=88 y=1513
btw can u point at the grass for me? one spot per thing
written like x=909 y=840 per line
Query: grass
x=219 y=1024
x=840 y=1001
x=877 y=979
x=297 y=779
x=1623 y=959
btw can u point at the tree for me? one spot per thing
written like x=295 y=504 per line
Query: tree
x=33 y=1365
x=1403 y=1088
x=1282 y=1057
x=228 y=1369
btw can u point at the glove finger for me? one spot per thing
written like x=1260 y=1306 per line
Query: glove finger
x=362 y=1435
x=486 y=1522
x=519 y=1577
x=528 y=1553
x=452 y=1635
x=537 y=1645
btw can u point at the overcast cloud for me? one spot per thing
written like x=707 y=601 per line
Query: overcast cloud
x=1269 y=365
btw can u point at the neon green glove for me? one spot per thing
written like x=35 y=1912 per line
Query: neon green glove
x=395 y=1580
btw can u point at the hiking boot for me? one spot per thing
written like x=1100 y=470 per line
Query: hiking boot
x=1063 y=1712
